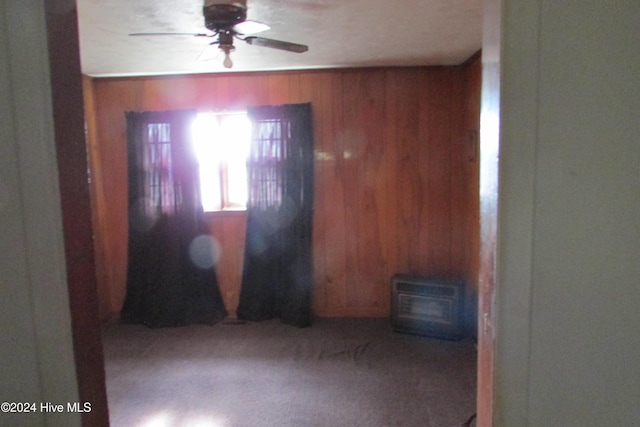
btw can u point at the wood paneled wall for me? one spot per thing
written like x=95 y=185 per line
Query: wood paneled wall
x=395 y=175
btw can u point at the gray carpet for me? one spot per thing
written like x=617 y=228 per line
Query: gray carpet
x=339 y=372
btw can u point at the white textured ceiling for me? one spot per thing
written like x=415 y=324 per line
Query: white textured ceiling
x=339 y=33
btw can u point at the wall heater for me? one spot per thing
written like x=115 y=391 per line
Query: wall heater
x=427 y=306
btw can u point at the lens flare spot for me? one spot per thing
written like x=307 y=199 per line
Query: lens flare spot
x=204 y=251
x=161 y=419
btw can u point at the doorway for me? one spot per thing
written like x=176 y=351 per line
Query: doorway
x=68 y=111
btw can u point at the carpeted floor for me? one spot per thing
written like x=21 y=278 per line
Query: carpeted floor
x=339 y=372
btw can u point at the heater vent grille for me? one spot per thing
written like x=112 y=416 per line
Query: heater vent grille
x=426 y=289
x=426 y=306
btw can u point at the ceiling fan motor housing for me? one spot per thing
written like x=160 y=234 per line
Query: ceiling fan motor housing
x=222 y=17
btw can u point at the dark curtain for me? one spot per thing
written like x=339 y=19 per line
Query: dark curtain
x=171 y=279
x=277 y=273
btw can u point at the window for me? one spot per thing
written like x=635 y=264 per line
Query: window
x=161 y=194
x=222 y=145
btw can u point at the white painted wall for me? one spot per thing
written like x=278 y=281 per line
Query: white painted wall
x=568 y=300
x=36 y=352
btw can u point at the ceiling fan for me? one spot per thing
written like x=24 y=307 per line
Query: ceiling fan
x=229 y=21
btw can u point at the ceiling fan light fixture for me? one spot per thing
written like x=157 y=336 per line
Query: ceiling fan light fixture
x=227 y=63
x=227 y=49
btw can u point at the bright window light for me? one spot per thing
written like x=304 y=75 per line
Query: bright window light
x=221 y=143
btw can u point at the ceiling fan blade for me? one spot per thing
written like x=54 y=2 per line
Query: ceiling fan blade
x=276 y=44
x=250 y=27
x=209 y=53
x=173 y=34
